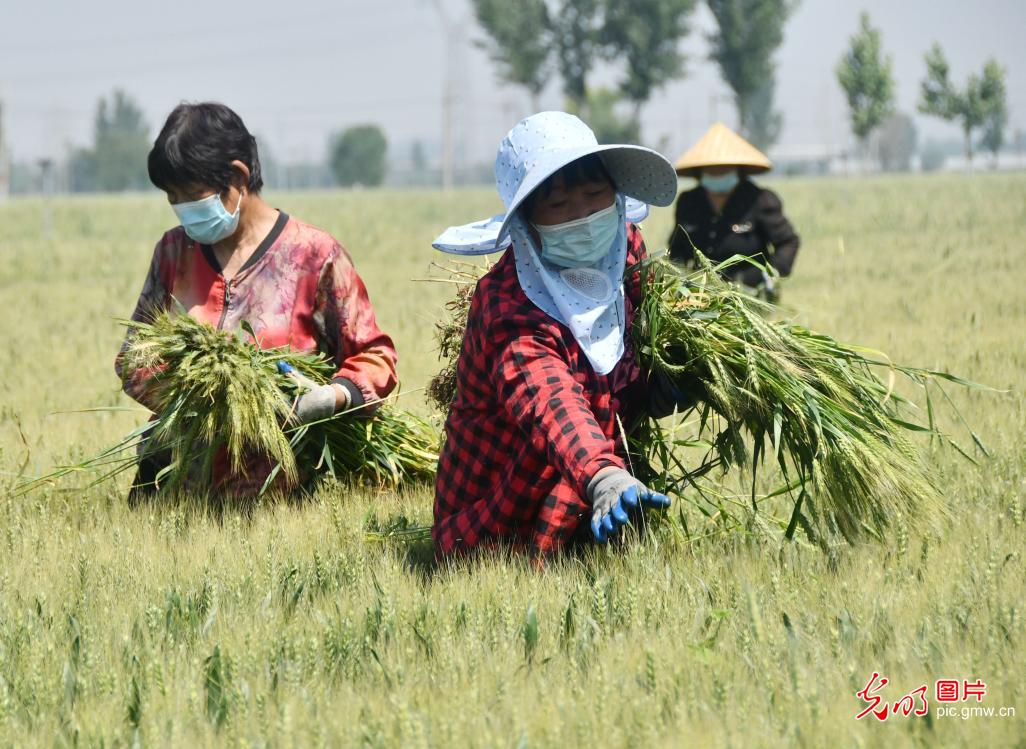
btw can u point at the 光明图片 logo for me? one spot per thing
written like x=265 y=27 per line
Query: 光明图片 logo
x=946 y=692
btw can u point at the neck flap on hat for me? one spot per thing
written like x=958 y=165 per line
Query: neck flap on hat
x=589 y=301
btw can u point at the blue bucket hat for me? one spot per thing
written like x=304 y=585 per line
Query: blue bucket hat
x=538 y=147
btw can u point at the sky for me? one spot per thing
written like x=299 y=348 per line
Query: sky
x=299 y=71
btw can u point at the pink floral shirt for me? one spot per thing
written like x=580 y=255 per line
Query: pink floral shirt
x=298 y=289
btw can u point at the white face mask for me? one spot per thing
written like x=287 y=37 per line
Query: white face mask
x=592 y=308
x=721 y=183
x=584 y=241
x=207 y=221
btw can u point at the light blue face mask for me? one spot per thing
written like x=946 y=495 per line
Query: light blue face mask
x=207 y=221
x=721 y=183
x=582 y=242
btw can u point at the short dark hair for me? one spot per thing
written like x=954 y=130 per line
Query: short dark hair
x=197 y=145
x=586 y=169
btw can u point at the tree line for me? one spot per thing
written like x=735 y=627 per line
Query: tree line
x=534 y=41
x=121 y=140
x=979 y=105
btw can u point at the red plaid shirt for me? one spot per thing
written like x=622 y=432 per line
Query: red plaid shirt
x=298 y=289
x=531 y=423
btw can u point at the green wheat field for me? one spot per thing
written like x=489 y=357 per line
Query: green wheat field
x=283 y=624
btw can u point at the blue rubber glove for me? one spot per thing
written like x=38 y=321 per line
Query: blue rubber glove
x=614 y=494
x=314 y=402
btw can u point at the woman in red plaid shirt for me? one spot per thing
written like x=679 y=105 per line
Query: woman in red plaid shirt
x=237 y=259
x=547 y=372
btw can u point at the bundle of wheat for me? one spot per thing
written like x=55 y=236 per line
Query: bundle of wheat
x=216 y=391
x=837 y=431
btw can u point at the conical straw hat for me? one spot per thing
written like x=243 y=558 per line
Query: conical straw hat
x=721 y=146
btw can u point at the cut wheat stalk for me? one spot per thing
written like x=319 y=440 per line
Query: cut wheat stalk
x=770 y=389
x=217 y=391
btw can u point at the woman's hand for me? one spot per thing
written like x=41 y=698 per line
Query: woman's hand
x=614 y=494
x=667 y=393
x=314 y=402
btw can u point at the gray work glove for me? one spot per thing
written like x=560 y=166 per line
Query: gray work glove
x=770 y=289
x=314 y=402
x=614 y=493
x=758 y=283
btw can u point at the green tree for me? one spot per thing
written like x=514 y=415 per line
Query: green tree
x=646 y=35
x=577 y=32
x=608 y=124
x=418 y=163
x=117 y=159
x=937 y=95
x=749 y=32
x=764 y=122
x=523 y=36
x=992 y=91
x=865 y=75
x=520 y=41
x=932 y=156
x=357 y=156
x=896 y=143
x=82 y=170
x=982 y=103
x=528 y=39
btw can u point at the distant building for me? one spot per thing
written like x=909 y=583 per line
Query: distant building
x=807 y=159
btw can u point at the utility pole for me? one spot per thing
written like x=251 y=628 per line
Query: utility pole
x=462 y=127
x=447 y=95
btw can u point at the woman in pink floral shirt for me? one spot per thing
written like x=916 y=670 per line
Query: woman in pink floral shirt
x=237 y=259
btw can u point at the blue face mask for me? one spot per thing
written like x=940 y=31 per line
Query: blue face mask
x=579 y=243
x=721 y=183
x=207 y=221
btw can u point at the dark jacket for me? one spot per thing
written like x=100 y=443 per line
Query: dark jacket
x=752 y=221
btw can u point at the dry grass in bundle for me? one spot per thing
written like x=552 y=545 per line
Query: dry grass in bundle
x=216 y=391
x=441 y=390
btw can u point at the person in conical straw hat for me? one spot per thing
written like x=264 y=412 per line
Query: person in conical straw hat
x=727 y=214
x=533 y=453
